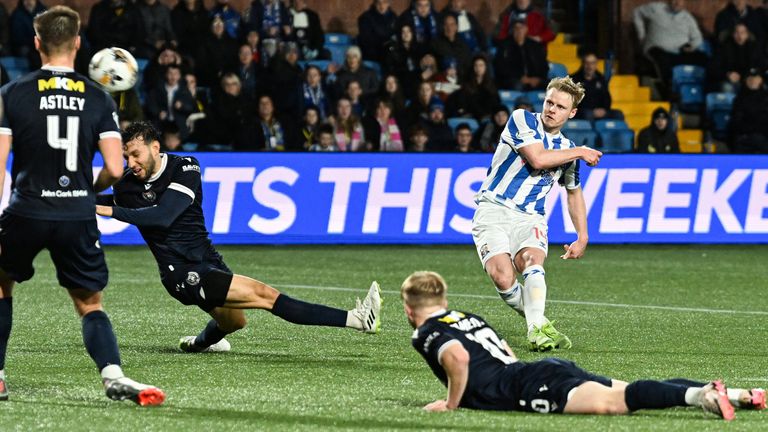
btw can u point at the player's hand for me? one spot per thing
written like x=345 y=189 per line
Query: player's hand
x=102 y=210
x=591 y=156
x=574 y=250
x=437 y=406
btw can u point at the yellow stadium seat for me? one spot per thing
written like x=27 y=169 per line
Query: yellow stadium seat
x=630 y=94
x=639 y=108
x=559 y=39
x=690 y=140
x=624 y=81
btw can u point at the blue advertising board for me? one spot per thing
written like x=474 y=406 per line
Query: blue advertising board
x=274 y=198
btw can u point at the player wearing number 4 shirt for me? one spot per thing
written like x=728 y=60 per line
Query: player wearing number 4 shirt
x=481 y=371
x=162 y=195
x=509 y=228
x=56 y=120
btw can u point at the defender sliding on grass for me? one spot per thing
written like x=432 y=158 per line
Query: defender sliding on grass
x=162 y=195
x=481 y=372
x=56 y=119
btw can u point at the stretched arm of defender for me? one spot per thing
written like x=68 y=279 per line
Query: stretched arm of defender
x=5 y=150
x=455 y=361
x=578 y=211
x=112 y=153
x=540 y=158
x=162 y=215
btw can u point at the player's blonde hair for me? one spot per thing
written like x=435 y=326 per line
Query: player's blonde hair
x=423 y=288
x=567 y=85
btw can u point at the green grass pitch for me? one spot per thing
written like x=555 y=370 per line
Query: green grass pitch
x=633 y=312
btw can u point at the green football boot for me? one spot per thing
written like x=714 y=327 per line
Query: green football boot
x=561 y=341
x=540 y=341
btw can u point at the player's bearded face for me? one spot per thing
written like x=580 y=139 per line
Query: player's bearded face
x=140 y=159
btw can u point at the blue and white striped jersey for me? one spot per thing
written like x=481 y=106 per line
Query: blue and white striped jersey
x=511 y=181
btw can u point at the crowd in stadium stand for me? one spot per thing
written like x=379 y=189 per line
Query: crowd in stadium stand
x=269 y=79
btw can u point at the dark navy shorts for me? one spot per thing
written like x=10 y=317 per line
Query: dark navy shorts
x=74 y=247
x=544 y=385
x=204 y=284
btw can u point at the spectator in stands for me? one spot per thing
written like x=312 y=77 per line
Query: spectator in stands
x=522 y=10
x=748 y=128
x=286 y=80
x=521 y=62
x=422 y=18
x=202 y=99
x=449 y=45
x=464 y=139
x=376 y=27
x=391 y=91
x=114 y=23
x=428 y=67
x=490 y=134
x=191 y=21
x=230 y=16
x=252 y=39
x=154 y=74
x=440 y=134
x=402 y=59
x=596 y=104
x=230 y=117
x=381 y=129
x=129 y=107
x=171 y=138
x=156 y=26
x=354 y=93
x=309 y=127
x=325 y=140
x=271 y=19
x=468 y=27
x=735 y=12
x=314 y=93
x=4 y=31
x=418 y=110
x=354 y=69
x=734 y=59
x=217 y=53
x=347 y=127
x=171 y=102
x=249 y=72
x=669 y=36
x=478 y=94
x=22 y=34
x=271 y=134
x=447 y=81
x=307 y=30
x=418 y=139
x=659 y=136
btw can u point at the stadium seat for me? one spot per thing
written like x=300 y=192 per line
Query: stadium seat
x=720 y=120
x=20 y=63
x=338 y=53
x=454 y=122
x=337 y=39
x=320 y=64
x=536 y=97
x=608 y=125
x=581 y=137
x=720 y=102
x=14 y=73
x=690 y=140
x=375 y=66
x=556 y=70
x=508 y=97
x=630 y=94
x=617 y=140
x=578 y=124
x=687 y=74
x=691 y=97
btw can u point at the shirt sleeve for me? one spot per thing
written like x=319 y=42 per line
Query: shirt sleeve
x=434 y=344
x=570 y=178
x=5 y=124
x=109 y=123
x=162 y=215
x=186 y=177
x=522 y=129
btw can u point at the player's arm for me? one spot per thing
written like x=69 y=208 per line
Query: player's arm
x=540 y=158
x=578 y=211
x=5 y=150
x=105 y=200
x=455 y=361
x=111 y=148
x=168 y=209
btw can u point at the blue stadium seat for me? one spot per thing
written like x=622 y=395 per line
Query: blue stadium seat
x=375 y=66
x=617 y=140
x=320 y=64
x=508 y=97
x=454 y=122
x=20 y=63
x=578 y=124
x=581 y=137
x=557 y=70
x=338 y=53
x=609 y=125
x=337 y=39
x=14 y=73
x=687 y=74
x=691 y=97
x=720 y=102
x=536 y=97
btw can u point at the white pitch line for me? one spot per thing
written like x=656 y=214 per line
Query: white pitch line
x=573 y=302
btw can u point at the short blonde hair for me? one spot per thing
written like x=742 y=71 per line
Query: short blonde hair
x=423 y=288
x=567 y=85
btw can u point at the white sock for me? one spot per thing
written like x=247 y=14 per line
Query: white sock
x=692 y=396
x=534 y=295
x=112 y=372
x=2 y=373
x=513 y=297
x=734 y=396
x=353 y=321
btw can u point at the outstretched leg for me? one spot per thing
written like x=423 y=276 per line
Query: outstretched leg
x=754 y=399
x=502 y=273
x=6 y=322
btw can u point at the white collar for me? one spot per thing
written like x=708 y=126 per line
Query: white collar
x=163 y=164
x=57 y=68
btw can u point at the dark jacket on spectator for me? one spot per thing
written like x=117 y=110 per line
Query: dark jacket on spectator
x=512 y=61
x=5 y=49
x=750 y=113
x=456 y=49
x=732 y=57
x=475 y=37
x=22 y=32
x=214 y=56
x=157 y=101
x=404 y=64
x=128 y=105
x=156 y=21
x=255 y=19
x=190 y=27
x=366 y=76
x=115 y=23
x=285 y=88
x=375 y=30
x=473 y=100
x=424 y=29
x=311 y=39
x=596 y=91
x=230 y=120
x=440 y=137
x=727 y=19
x=654 y=140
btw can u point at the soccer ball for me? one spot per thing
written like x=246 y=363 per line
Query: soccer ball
x=114 y=69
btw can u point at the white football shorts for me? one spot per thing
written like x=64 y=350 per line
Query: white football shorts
x=497 y=229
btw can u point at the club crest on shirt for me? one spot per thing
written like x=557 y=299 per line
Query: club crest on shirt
x=149 y=196
x=193 y=278
x=63 y=181
x=484 y=250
